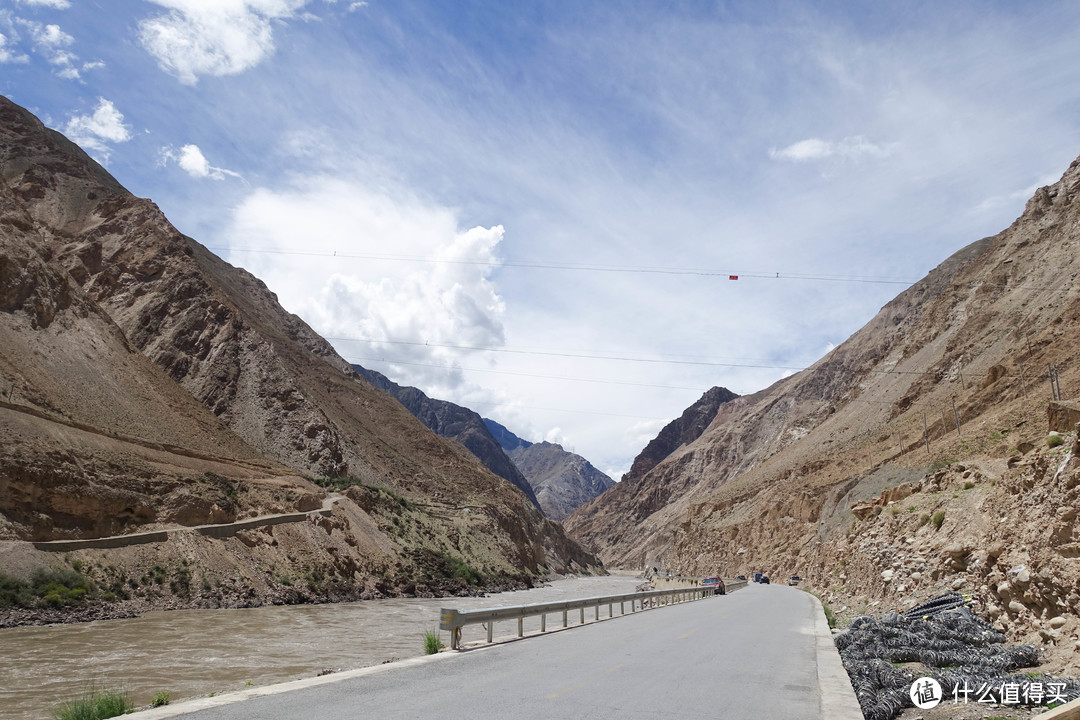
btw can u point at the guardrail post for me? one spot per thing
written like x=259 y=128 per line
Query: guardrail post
x=564 y=618
x=543 y=623
x=596 y=612
x=521 y=626
x=609 y=612
x=622 y=607
x=582 y=615
x=491 y=626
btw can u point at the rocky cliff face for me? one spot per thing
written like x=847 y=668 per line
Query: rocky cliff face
x=563 y=481
x=457 y=423
x=145 y=382
x=685 y=429
x=771 y=483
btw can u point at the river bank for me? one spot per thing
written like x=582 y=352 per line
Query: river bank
x=192 y=653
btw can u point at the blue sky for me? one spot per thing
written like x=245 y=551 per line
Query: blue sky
x=395 y=172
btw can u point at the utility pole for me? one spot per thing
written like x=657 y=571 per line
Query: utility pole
x=925 y=435
x=955 y=416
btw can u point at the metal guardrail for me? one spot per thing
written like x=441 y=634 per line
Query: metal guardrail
x=454 y=620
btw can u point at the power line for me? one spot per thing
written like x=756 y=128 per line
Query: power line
x=640 y=269
x=551 y=353
x=532 y=375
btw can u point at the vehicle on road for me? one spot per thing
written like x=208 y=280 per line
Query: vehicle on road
x=715 y=582
x=741 y=578
x=764 y=580
x=757 y=577
x=794 y=580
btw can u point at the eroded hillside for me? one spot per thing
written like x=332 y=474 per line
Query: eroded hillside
x=148 y=384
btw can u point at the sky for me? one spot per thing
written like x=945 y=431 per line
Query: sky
x=537 y=209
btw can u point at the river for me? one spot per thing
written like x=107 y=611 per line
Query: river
x=192 y=653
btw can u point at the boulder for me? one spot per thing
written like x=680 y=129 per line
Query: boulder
x=1063 y=415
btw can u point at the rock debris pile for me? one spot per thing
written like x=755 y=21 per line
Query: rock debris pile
x=962 y=652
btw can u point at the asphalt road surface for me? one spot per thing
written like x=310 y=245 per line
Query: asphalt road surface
x=750 y=654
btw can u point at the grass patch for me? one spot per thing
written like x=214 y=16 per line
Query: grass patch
x=829 y=615
x=95 y=705
x=432 y=642
x=1052 y=441
x=161 y=697
x=968 y=485
x=938 y=519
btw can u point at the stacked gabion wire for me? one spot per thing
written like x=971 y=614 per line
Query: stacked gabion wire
x=959 y=650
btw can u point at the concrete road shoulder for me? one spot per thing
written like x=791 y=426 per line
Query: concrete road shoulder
x=838 y=700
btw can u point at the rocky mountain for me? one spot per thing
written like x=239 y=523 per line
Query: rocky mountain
x=148 y=385
x=508 y=440
x=457 y=423
x=685 y=429
x=563 y=480
x=911 y=459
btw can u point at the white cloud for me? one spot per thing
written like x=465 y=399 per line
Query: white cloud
x=1017 y=197
x=353 y=7
x=192 y=161
x=96 y=131
x=49 y=36
x=555 y=435
x=50 y=41
x=452 y=301
x=213 y=37
x=850 y=148
x=55 y=4
x=7 y=54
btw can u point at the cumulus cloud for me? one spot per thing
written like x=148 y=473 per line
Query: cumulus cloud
x=192 y=161
x=403 y=307
x=55 y=4
x=99 y=130
x=855 y=147
x=213 y=37
x=353 y=7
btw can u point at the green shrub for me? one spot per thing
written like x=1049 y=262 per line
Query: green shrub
x=968 y=485
x=937 y=519
x=458 y=568
x=161 y=697
x=14 y=592
x=59 y=588
x=96 y=705
x=432 y=642
x=1052 y=441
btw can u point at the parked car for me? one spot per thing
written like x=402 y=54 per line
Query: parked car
x=715 y=582
x=741 y=578
x=764 y=580
x=794 y=580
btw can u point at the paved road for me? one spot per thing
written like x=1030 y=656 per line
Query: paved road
x=751 y=654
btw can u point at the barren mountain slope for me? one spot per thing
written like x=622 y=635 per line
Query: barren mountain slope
x=682 y=430
x=564 y=481
x=457 y=423
x=91 y=277
x=768 y=479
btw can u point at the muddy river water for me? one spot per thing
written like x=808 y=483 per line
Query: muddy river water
x=197 y=652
